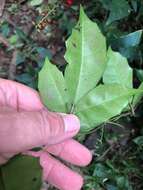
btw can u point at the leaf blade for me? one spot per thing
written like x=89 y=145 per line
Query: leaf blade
x=138 y=96
x=132 y=39
x=102 y=103
x=52 y=87
x=118 y=10
x=117 y=70
x=22 y=172
x=84 y=58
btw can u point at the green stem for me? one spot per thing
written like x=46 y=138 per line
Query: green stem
x=113 y=123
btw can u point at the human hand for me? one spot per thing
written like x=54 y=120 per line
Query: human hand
x=25 y=124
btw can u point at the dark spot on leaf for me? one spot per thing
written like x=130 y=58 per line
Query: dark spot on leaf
x=74 y=45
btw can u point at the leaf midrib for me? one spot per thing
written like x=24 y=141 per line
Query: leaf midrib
x=81 y=65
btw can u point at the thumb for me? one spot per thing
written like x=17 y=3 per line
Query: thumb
x=61 y=127
x=20 y=131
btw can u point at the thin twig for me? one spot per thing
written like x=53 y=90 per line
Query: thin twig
x=114 y=123
x=105 y=153
x=50 y=12
x=2 y=4
x=4 y=41
x=120 y=116
x=12 y=66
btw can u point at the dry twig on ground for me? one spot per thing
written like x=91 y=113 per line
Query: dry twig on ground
x=4 y=41
x=12 y=66
x=2 y=4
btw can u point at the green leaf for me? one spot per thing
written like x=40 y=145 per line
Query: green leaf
x=102 y=103
x=139 y=73
x=86 y=55
x=22 y=35
x=117 y=70
x=118 y=10
x=20 y=58
x=106 y=4
x=25 y=78
x=13 y=39
x=22 y=173
x=128 y=45
x=111 y=187
x=52 y=87
x=134 y=5
x=43 y=52
x=121 y=181
x=87 y=63
x=130 y=40
x=36 y=2
x=100 y=171
x=139 y=140
x=138 y=96
x=5 y=29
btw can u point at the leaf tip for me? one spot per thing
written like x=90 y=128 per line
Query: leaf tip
x=82 y=12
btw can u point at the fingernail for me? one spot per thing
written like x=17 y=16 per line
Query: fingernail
x=72 y=123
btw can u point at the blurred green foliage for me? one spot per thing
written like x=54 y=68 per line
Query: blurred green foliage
x=120 y=21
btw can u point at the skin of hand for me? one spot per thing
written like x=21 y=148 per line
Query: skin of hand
x=25 y=123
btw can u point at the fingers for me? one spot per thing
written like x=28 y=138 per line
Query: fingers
x=18 y=96
x=59 y=175
x=21 y=131
x=71 y=151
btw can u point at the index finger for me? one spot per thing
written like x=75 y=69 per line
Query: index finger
x=19 y=96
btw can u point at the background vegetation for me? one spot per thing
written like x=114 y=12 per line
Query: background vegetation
x=117 y=147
